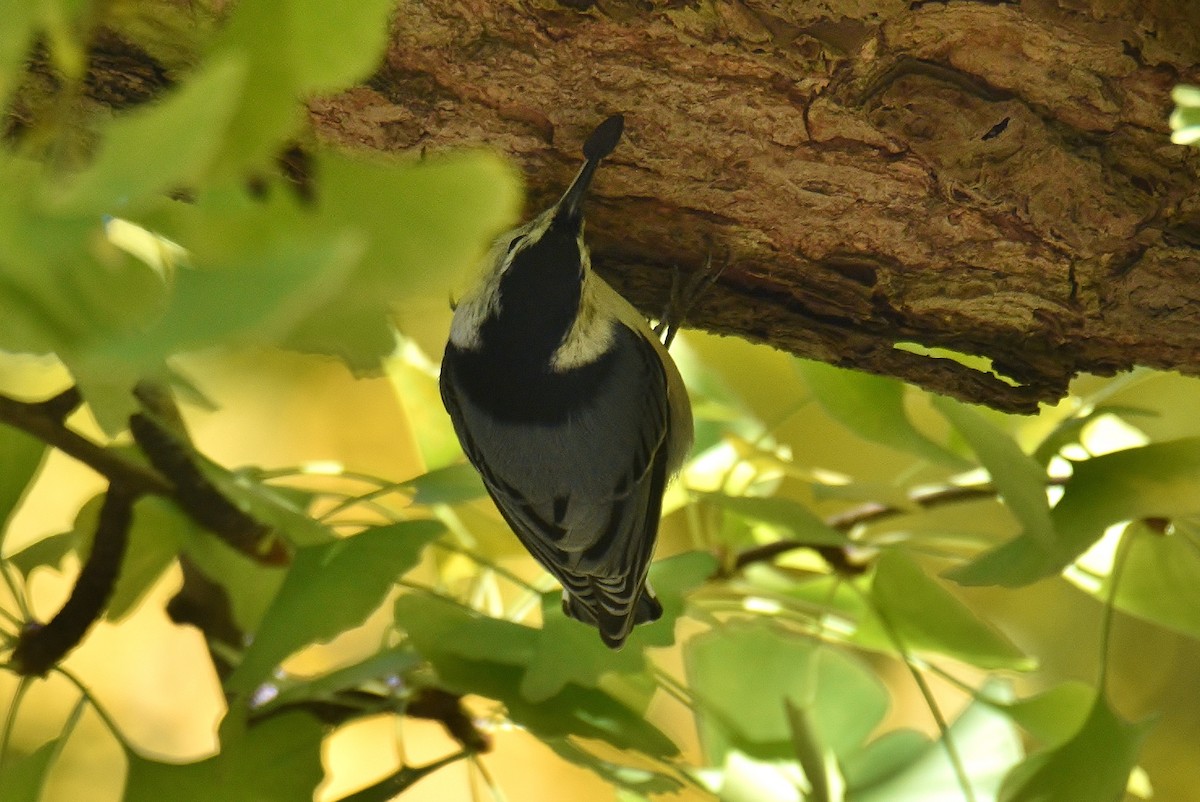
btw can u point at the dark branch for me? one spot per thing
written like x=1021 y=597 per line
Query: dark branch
x=40 y=647
x=870 y=512
x=396 y=784
x=44 y=420
x=200 y=499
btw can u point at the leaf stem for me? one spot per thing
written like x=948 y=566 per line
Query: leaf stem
x=935 y=710
x=10 y=718
x=1120 y=558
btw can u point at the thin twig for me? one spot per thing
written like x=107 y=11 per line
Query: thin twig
x=873 y=512
x=399 y=782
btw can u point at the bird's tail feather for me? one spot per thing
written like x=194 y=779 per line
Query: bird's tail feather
x=614 y=628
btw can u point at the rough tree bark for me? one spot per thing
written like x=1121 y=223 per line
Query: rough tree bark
x=993 y=178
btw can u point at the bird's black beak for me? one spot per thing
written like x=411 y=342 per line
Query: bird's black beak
x=599 y=144
x=570 y=208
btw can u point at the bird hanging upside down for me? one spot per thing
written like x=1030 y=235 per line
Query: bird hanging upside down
x=571 y=409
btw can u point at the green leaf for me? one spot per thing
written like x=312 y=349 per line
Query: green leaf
x=453 y=484
x=329 y=589
x=333 y=45
x=1054 y=715
x=47 y=552
x=782 y=513
x=63 y=286
x=260 y=297
x=1157 y=480
x=314 y=47
x=21 y=458
x=161 y=146
x=1020 y=480
x=988 y=746
x=568 y=652
x=486 y=656
x=278 y=508
x=843 y=701
x=1092 y=766
x=929 y=617
x=1160 y=580
x=275 y=760
x=415 y=379
x=425 y=226
x=23 y=778
x=873 y=408
x=249 y=587
x=376 y=669
x=19 y=18
x=743 y=778
x=1069 y=431
x=883 y=758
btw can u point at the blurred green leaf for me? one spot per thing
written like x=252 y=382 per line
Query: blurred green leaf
x=425 y=225
x=329 y=589
x=1157 y=480
x=988 y=745
x=20 y=18
x=1054 y=715
x=783 y=513
x=63 y=286
x=21 y=458
x=332 y=45
x=1020 y=480
x=22 y=778
x=1160 y=581
x=453 y=484
x=313 y=47
x=843 y=701
x=883 y=758
x=261 y=297
x=1092 y=766
x=415 y=379
x=627 y=781
x=47 y=552
x=276 y=760
x=164 y=145
x=743 y=778
x=873 y=408
x=928 y=617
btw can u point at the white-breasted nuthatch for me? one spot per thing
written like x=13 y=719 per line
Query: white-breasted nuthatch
x=571 y=409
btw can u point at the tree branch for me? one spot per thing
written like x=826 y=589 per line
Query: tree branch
x=40 y=646
x=870 y=512
x=44 y=420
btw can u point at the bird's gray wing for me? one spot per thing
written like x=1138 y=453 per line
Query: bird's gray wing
x=585 y=497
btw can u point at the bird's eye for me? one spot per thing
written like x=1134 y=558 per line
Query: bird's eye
x=513 y=244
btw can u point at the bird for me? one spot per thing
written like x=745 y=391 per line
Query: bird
x=570 y=407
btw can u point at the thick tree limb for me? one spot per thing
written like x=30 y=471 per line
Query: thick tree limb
x=992 y=178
